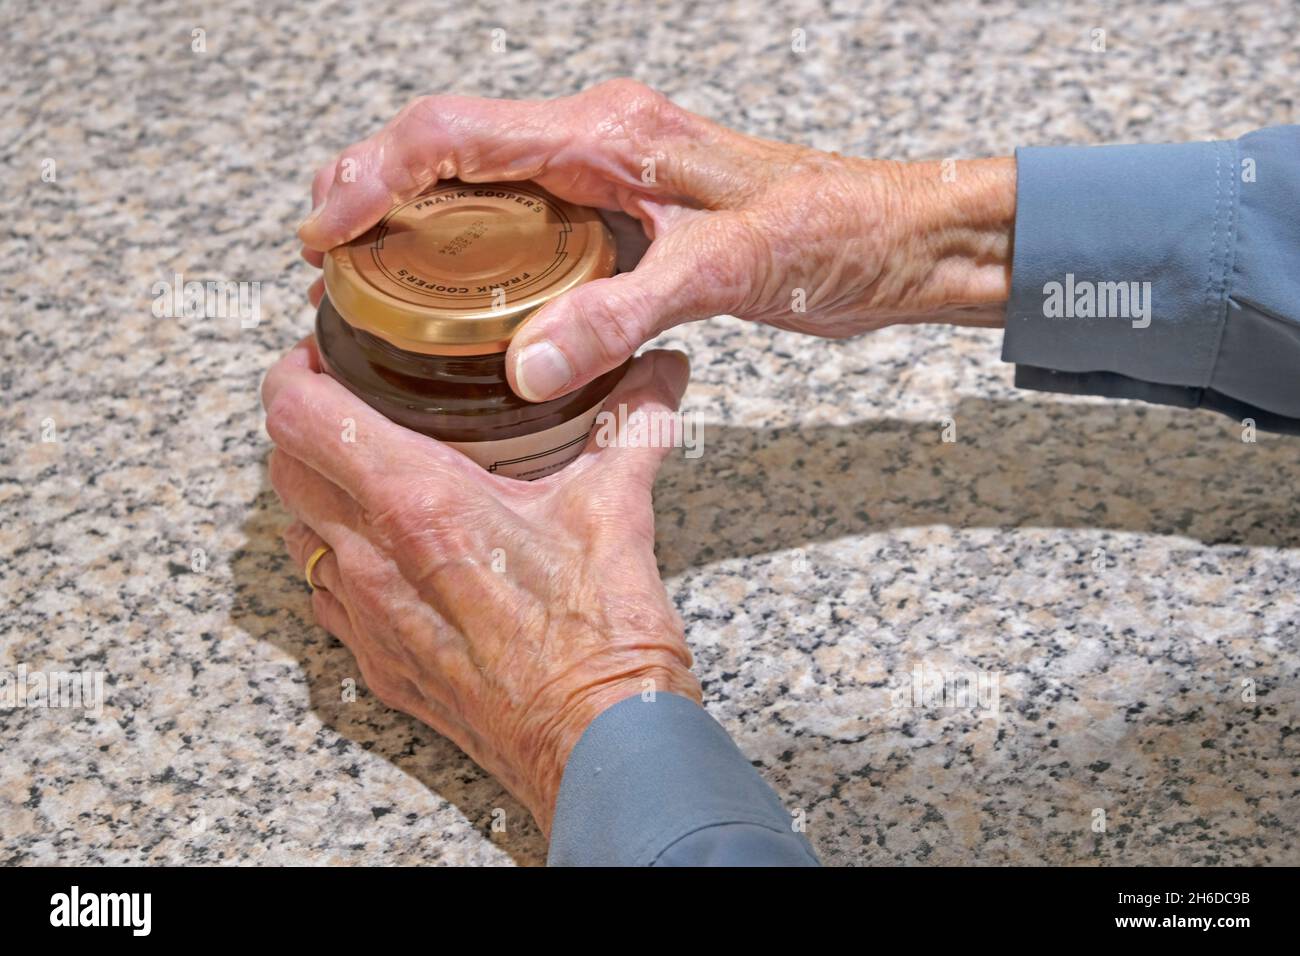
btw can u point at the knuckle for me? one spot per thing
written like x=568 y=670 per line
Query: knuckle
x=406 y=518
x=420 y=107
x=423 y=114
x=416 y=147
x=295 y=540
x=285 y=411
x=427 y=532
x=637 y=107
x=277 y=473
x=626 y=90
x=455 y=541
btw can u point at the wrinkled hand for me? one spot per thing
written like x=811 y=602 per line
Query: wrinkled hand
x=504 y=614
x=783 y=234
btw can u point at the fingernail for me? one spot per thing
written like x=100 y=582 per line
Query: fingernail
x=541 y=371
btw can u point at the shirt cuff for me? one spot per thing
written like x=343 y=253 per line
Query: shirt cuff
x=1163 y=273
x=1121 y=260
x=659 y=782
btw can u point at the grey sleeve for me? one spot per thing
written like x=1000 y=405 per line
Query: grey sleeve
x=1164 y=273
x=659 y=783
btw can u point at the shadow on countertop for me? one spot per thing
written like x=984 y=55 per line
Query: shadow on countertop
x=1027 y=464
x=1015 y=464
x=1119 y=466
x=271 y=603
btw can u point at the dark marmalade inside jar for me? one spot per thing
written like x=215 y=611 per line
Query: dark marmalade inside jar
x=448 y=397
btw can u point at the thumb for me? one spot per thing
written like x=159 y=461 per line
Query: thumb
x=600 y=325
x=639 y=424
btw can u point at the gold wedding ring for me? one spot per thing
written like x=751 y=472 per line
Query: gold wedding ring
x=311 y=565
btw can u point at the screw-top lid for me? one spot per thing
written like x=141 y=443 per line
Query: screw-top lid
x=458 y=269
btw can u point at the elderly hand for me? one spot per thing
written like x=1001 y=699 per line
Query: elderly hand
x=782 y=234
x=506 y=615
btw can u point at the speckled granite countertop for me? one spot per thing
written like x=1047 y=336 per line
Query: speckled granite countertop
x=1126 y=574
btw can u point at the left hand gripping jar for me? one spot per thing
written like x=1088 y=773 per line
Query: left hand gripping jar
x=419 y=311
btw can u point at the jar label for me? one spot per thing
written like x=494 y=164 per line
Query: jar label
x=529 y=457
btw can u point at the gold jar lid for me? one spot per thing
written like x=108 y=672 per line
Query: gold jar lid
x=458 y=269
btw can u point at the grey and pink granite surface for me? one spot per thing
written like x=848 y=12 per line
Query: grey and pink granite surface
x=1128 y=574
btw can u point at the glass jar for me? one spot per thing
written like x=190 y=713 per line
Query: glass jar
x=419 y=311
